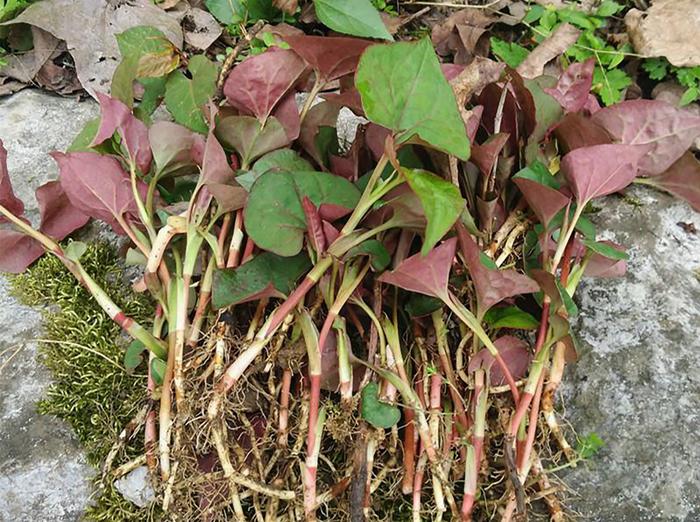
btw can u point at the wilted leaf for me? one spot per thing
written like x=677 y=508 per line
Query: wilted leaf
x=665 y=131
x=330 y=56
x=441 y=202
x=379 y=414
x=514 y=352
x=266 y=275
x=355 y=17
x=492 y=285
x=556 y=44
x=153 y=53
x=597 y=171
x=98 y=186
x=185 y=97
x=403 y=89
x=510 y=317
x=425 y=274
x=475 y=76
x=115 y=116
x=574 y=85
x=682 y=179
x=7 y=195
x=258 y=83
x=89 y=26
x=251 y=138
x=274 y=216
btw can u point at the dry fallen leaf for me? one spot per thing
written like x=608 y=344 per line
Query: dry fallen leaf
x=668 y=28
x=461 y=35
x=201 y=28
x=475 y=77
x=288 y=6
x=558 y=42
x=88 y=28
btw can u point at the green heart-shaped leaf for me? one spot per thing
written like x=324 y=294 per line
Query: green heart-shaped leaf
x=379 y=414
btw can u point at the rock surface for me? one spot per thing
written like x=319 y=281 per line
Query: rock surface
x=43 y=473
x=136 y=487
x=636 y=384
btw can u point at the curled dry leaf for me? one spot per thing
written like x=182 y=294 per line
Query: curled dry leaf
x=669 y=28
x=663 y=130
x=475 y=76
x=200 y=28
x=559 y=41
x=88 y=28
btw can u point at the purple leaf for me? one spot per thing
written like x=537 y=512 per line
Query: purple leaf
x=576 y=130
x=573 y=86
x=349 y=98
x=485 y=155
x=98 y=186
x=682 y=179
x=324 y=114
x=174 y=145
x=314 y=225
x=18 y=251
x=665 y=131
x=492 y=286
x=257 y=84
x=544 y=201
x=427 y=274
x=7 y=195
x=515 y=354
x=218 y=176
x=287 y=113
x=602 y=266
x=600 y=170
x=330 y=56
x=116 y=116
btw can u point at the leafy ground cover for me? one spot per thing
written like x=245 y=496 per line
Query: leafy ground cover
x=363 y=327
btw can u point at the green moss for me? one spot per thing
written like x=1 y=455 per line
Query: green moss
x=83 y=349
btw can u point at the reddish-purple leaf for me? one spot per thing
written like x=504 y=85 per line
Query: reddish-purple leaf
x=314 y=225
x=287 y=113
x=492 y=286
x=18 y=251
x=174 y=146
x=324 y=114
x=600 y=170
x=218 y=176
x=59 y=217
x=330 y=232
x=573 y=86
x=451 y=70
x=682 y=179
x=116 y=116
x=427 y=274
x=544 y=201
x=513 y=351
x=98 y=186
x=485 y=155
x=350 y=98
x=601 y=266
x=7 y=195
x=257 y=84
x=474 y=121
x=330 y=56
x=664 y=131
x=576 y=130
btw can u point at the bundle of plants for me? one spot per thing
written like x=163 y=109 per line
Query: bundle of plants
x=358 y=326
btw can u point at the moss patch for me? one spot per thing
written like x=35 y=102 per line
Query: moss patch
x=83 y=349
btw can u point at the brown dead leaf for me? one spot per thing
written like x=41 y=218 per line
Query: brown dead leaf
x=23 y=67
x=461 y=35
x=559 y=41
x=475 y=77
x=287 y=6
x=668 y=28
x=88 y=28
x=200 y=28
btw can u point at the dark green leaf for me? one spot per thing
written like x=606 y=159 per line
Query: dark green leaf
x=656 y=68
x=266 y=275
x=402 y=88
x=441 y=202
x=250 y=138
x=605 y=250
x=355 y=17
x=274 y=215
x=227 y=11
x=510 y=317
x=158 y=368
x=379 y=414
x=420 y=305
x=185 y=98
x=378 y=254
x=571 y=308
x=538 y=173
x=276 y=161
x=154 y=90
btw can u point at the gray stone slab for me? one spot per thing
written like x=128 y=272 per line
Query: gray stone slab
x=43 y=473
x=637 y=383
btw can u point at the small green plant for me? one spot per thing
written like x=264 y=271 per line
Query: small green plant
x=689 y=77
x=609 y=81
